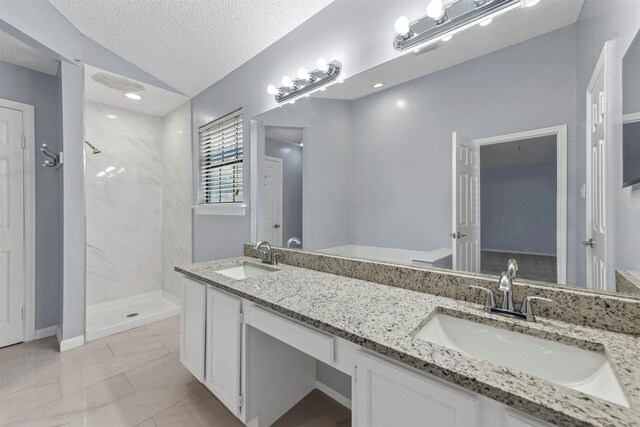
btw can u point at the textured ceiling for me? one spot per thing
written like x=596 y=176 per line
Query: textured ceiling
x=284 y=134
x=188 y=44
x=509 y=29
x=15 y=52
x=154 y=102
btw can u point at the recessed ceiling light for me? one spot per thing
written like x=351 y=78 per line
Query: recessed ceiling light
x=377 y=85
x=486 y=22
x=133 y=96
x=447 y=38
x=112 y=116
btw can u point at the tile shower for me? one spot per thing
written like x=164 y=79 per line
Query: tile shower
x=137 y=215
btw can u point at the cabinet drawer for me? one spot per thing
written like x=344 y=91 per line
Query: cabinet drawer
x=310 y=341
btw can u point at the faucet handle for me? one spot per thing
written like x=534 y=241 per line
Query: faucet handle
x=275 y=257
x=527 y=306
x=491 y=299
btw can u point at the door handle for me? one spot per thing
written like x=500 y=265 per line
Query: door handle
x=276 y=225
x=457 y=235
x=588 y=243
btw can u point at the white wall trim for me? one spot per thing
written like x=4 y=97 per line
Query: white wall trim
x=46 y=332
x=237 y=209
x=343 y=400
x=561 y=185
x=28 y=132
x=70 y=343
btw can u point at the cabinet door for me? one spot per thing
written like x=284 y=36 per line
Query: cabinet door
x=192 y=327
x=387 y=395
x=224 y=330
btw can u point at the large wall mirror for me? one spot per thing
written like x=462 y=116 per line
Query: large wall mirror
x=460 y=157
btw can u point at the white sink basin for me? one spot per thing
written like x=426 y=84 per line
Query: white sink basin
x=244 y=271
x=573 y=367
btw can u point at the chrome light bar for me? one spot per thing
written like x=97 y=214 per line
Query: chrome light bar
x=307 y=81
x=443 y=22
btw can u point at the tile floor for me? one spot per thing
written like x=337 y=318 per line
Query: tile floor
x=130 y=379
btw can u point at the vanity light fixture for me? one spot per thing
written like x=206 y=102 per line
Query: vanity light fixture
x=307 y=82
x=133 y=96
x=444 y=18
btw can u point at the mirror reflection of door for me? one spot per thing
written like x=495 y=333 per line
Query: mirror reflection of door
x=466 y=204
x=282 y=186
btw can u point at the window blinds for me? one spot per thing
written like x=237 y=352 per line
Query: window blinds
x=221 y=160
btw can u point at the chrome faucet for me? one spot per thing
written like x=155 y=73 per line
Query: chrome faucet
x=512 y=268
x=506 y=286
x=292 y=241
x=507 y=307
x=268 y=256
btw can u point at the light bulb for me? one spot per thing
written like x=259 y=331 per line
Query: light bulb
x=447 y=38
x=322 y=65
x=530 y=3
x=286 y=81
x=272 y=90
x=303 y=74
x=486 y=22
x=402 y=26
x=435 y=10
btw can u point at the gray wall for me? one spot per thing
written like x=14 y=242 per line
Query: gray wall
x=291 y=156
x=518 y=209
x=527 y=86
x=72 y=319
x=43 y=92
x=222 y=236
x=328 y=172
x=618 y=22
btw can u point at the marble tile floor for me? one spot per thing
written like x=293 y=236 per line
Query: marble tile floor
x=130 y=379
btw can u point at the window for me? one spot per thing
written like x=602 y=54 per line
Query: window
x=221 y=160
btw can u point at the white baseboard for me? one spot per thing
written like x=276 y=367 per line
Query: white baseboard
x=70 y=343
x=343 y=400
x=51 y=331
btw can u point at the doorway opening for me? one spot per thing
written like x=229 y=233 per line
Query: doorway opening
x=510 y=201
x=518 y=181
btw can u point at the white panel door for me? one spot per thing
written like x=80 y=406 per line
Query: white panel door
x=192 y=327
x=273 y=200
x=387 y=395
x=224 y=330
x=466 y=204
x=11 y=227
x=596 y=236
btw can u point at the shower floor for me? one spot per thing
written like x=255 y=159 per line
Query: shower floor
x=117 y=316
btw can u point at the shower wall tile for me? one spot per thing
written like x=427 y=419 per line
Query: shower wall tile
x=124 y=203
x=176 y=196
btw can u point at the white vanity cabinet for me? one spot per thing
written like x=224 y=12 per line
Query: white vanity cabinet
x=223 y=347
x=192 y=327
x=388 y=395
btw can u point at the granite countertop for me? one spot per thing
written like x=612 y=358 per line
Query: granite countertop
x=383 y=318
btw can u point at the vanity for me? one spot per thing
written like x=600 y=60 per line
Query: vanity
x=254 y=334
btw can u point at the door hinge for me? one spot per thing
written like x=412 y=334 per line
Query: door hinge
x=22 y=143
x=24 y=312
x=241 y=317
x=240 y=401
